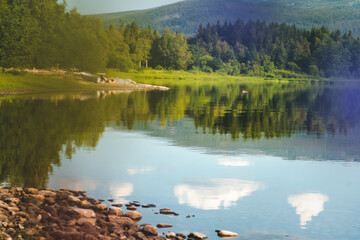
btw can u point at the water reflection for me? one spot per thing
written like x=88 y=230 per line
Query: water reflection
x=35 y=132
x=211 y=194
x=135 y=171
x=230 y=162
x=308 y=205
x=77 y=184
x=120 y=190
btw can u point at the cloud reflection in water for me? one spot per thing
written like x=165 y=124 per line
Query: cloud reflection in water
x=211 y=194
x=308 y=205
x=121 y=190
x=77 y=184
x=238 y=162
x=135 y=171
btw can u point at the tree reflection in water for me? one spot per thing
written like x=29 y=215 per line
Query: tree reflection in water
x=35 y=132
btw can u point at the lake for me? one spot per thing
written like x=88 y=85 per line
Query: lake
x=266 y=160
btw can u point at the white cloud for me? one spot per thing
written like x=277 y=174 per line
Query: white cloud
x=210 y=194
x=308 y=205
x=135 y=171
x=238 y=162
x=120 y=191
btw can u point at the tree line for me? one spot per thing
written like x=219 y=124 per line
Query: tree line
x=261 y=49
x=42 y=34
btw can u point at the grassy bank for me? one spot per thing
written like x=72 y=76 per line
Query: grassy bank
x=17 y=82
x=150 y=74
x=20 y=82
x=27 y=81
x=168 y=77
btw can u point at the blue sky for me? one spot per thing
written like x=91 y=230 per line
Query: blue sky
x=105 y=6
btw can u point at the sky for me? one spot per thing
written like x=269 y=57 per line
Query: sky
x=107 y=6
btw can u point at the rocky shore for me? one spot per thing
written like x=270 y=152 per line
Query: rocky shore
x=29 y=213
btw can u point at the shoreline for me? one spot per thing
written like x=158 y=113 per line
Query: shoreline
x=30 y=213
x=75 y=77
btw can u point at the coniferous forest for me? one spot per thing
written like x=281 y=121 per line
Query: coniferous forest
x=42 y=34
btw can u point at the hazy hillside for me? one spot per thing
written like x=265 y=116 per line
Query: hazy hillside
x=186 y=16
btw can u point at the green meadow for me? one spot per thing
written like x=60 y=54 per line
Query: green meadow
x=29 y=81
x=33 y=82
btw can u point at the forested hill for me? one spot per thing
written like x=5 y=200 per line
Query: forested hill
x=186 y=16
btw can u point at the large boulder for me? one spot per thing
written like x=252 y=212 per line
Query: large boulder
x=150 y=230
x=136 y=216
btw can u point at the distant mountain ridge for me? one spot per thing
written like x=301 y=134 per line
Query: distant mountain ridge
x=186 y=16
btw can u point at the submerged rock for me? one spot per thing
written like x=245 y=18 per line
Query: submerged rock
x=164 y=225
x=131 y=208
x=117 y=205
x=168 y=211
x=149 y=205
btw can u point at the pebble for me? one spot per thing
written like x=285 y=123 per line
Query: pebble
x=67 y=214
x=149 y=206
x=171 y=235
x=99 y=207
x=47 y=193
x=168 y=211
x=136 y=204
x=31 y=190
x=115 y=211
x=71 y=198
x=197 y=235
x=181 y=235
x=13 y=200
x=164 y=225
x=226 y=234
x=131 y=208
x=87 y=213
x=83 y=221
x=136 y=216
x=117 y=205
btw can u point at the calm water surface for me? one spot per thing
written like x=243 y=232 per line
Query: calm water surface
x=269 y=161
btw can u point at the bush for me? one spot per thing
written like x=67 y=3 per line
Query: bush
x=159 y=67
x=194 y=69
x=207 y=69
x=270 y=75
x=16 y=72
x=293 y=67
x=313 y=70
